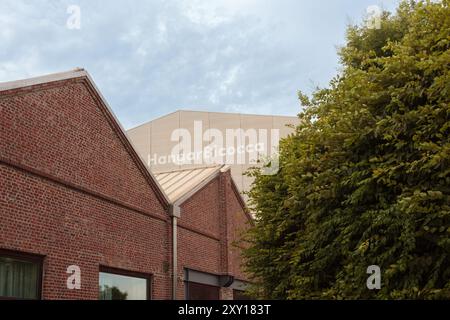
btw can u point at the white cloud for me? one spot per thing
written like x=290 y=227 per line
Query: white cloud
x=205 y=13
x=152 y=57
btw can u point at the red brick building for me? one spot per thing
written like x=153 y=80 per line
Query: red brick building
x=82 y=217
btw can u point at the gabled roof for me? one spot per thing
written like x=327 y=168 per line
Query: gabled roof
x=82 y=74
x=181 y=184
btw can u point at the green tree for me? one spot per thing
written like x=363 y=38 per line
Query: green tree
x=111 y=293
x=365 y=178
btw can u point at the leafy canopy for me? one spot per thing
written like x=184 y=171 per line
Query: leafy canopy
x=365 y=178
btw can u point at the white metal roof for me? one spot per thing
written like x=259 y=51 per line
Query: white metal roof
x=179 y=183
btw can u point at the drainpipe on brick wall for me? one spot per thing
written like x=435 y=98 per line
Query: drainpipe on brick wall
x=175 y=213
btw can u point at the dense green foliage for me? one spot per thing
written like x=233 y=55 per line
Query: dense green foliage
x=365 y=179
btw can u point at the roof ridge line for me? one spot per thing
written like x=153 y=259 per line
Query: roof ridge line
x=51 y=77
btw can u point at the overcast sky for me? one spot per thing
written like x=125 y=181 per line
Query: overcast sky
x=152 y=57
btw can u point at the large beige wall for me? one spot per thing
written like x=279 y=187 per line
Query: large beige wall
x=154 y=137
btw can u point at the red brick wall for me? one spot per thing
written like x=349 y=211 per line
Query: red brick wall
x=71 y=191
x=238 y=223
x=202 y=210
x=226 y=294
x=69 y=227
x=207 y=232
x=60 y=130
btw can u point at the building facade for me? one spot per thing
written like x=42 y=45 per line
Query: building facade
x=82 y=217
x=160 y=140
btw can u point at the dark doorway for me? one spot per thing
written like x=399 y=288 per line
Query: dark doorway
x=197 y=291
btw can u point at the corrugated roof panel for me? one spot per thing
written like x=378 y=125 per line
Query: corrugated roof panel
x=175 y=178
x=177 y=183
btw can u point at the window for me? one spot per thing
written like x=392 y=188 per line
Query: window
x=197 y=291
x=20 y=276
x=123 y=285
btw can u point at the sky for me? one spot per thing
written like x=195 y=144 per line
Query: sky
x=154 y=57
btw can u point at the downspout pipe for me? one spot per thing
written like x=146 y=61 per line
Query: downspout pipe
x=175 y=214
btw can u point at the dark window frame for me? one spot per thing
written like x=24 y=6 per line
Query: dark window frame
x=28 y=257
x=188 y=293
x=207 y=279
x=128 y=273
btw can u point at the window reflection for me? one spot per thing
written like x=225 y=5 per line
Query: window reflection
x=120 y=287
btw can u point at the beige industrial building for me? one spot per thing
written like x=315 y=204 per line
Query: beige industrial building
x=166 y=142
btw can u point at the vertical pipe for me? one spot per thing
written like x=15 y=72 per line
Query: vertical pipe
x=174 y=258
